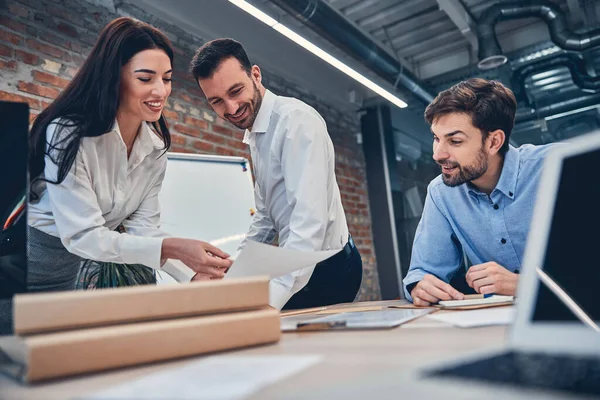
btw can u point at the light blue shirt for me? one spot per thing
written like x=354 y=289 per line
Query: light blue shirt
x=486 y=228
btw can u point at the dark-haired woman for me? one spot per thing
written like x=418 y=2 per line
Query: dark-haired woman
x=98 y=160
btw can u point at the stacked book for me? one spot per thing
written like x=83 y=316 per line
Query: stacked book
x=69 y=333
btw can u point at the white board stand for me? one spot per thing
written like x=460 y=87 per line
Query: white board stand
x=207 y=197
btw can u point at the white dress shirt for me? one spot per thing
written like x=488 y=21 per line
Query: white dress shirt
x=295 y=190
x=103 y=189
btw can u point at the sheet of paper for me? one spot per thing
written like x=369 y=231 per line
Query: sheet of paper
x=257 y=259
x=475 y=318
x=216 y=378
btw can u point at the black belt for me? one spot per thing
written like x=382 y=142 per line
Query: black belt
x=349 y=246
x=344 y=252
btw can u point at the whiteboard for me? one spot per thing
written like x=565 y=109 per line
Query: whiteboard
x=207 y=197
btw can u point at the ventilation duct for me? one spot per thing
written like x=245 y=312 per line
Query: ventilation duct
x=490 y=53
x=558 y=108
x=331 y=25
x=574 y=62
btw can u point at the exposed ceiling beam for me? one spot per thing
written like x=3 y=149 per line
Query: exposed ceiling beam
x=461 y=17
x=385 y=45
x=358 y=7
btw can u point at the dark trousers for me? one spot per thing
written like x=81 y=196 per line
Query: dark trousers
x=50 y=267
x=335 y=280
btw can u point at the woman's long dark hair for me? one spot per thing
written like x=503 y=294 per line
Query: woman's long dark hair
x=88 y=105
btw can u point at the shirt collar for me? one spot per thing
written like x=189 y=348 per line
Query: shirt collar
x=146 y=141
x=507 y=183
x=510 y=171
x=261 y=123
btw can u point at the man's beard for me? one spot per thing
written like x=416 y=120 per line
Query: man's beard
x=254 y=104
x=467 y=173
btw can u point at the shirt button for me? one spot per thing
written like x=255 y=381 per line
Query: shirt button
x=510 y=194
x=503 y=241
x=496 y=206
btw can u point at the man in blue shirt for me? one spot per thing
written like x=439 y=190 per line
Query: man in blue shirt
x=482 y=203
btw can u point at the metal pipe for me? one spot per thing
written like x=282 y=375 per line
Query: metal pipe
x=331 y=25
x=490 y=51
x=557 y=108
x=574 y=62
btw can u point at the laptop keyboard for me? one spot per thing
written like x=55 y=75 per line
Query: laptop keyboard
x=578 y=374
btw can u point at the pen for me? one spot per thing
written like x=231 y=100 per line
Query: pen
x=485 y=296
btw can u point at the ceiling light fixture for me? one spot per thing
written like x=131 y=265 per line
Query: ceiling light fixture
x=317 y=51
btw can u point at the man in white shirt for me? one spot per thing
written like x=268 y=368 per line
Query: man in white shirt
x=295 y=190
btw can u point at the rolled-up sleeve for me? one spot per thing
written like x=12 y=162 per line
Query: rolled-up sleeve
x=434 y=252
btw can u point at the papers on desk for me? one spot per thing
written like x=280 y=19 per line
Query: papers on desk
x=476 y=318
x=257 y=259
x=386 y=318
x=223 y=378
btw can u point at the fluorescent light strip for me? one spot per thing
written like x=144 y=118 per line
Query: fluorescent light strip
x=255 y=12
x=328 y=58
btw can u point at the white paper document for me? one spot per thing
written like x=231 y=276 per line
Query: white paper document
x=475 y=318
x=257 y=259
x=215 y=378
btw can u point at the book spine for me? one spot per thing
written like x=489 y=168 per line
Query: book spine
x=77 y=352
x=47 y=312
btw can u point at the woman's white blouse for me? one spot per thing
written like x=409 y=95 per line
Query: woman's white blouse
x=102 y=190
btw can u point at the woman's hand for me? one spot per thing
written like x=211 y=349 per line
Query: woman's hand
x=203 y=258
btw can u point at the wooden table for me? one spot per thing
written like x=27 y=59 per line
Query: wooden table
x=356 y=364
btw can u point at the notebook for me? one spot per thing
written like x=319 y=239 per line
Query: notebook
x=494 y=300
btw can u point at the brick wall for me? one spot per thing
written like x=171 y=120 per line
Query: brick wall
x=42 y=43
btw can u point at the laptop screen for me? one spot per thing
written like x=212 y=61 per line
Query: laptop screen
x=572 y=256
x=13 y=201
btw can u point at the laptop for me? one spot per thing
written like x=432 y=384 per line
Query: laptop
x=554 y=343
x=14 y=183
